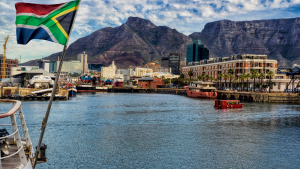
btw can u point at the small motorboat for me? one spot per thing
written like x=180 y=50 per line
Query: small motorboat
x=228 y=104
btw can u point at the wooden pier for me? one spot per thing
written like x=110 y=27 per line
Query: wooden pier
x=32 y=98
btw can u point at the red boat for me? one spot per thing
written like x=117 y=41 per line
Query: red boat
x=201 y=90
x=228 y=104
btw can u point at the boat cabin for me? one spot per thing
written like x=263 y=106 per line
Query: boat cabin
x=224 y=104
x=202 y=87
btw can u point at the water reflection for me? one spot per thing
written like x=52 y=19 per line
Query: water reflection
x=116 y=130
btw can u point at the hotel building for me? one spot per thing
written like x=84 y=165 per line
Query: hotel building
x=240 y=63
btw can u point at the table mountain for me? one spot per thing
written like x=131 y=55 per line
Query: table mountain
x=135 y=43
x=278 y=38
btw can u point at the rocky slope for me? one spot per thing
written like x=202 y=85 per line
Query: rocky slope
x=278 y=38
x=135 y=43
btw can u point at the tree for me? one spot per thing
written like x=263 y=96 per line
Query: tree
x=270 y=74
x=220 y=75
x=254 y=75
x=199 y=77
x=230 y=75
x=203 y=76
x=207 y=77
x=181 y=76
x=225 y=77
x=235 y=80
x=242 y=77
x=261 y=76
x=247 y=76
x=190 y=73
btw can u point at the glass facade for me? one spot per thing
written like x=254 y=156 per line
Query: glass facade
x=96 y=67
x=196 y=52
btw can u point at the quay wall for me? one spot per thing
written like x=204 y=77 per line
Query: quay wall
x=260 y=97
x=147 y=90
x=22 y=92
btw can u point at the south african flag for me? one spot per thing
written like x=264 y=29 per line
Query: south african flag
x=48 y=22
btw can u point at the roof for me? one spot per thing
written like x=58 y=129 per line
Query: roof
x=38 y=71
x=146 y=78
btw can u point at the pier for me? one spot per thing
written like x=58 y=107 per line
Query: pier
x=260 y=97
x=148 y=90
x=24 y=94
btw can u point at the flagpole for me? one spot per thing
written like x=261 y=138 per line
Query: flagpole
x=44 y=123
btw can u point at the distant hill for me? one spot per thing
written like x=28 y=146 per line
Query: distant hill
x=139 y=41
x=278 y=38
x=135 y=43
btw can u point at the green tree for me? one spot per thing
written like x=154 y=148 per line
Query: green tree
x=247 y=76
x=190 y=73
x=220 y=75
x=261 y=76
x=181 y=76
x=235 y=80
x=270 y=74
x=199 y=77
x=226 y=77
x=254 y=75
x=207 y=77
x=242 y=77
x=230 y=75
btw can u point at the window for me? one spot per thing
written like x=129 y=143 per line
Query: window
x=248 y=63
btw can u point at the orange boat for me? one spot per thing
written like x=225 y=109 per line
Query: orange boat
x=201 y=90
x=228 y=104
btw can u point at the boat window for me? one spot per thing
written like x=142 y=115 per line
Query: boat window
x=36 y=77
x=47 y=78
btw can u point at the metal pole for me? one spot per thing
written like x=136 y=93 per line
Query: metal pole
x=44 y=123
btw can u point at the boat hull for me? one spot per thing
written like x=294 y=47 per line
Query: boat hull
x=72 y=93
x=196 y=94
x=81 y=89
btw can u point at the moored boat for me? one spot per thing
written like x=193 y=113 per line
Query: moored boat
x=72 y=90
x=201 y=90
x=228 y=104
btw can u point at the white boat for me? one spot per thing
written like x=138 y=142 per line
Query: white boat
x=101 y=88
x=18 y=152
x=41 y=79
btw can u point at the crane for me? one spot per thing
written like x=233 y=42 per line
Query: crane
x=152 y=64
x=4 y=57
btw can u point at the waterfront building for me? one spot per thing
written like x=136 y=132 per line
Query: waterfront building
x=240 y=63
x=182 y=64
x=165 y=61
x=124 y=74
x=20 y=69
x=139 y=71
x=174 y=63
x=196 y=52
x=109 y=72
x=82 y=57
x=166 y=75
x=9 y=63
x=149 y=82
x=95 y=66
x=164 y=69
x=44 y=64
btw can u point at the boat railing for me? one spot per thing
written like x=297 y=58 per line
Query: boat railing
x=16 y=134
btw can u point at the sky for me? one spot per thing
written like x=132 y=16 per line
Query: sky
x=186 y=16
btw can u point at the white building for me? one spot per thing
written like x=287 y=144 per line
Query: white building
x=21 y=69
x=139 y=72
x=109 y=71
x=82 y=57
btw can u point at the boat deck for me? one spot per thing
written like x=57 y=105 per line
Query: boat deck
x=13 y=161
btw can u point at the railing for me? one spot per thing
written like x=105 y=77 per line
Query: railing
x=17 y=139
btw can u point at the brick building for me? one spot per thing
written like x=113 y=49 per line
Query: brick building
x=240 y=63
x=9 y=63
x=149 y=82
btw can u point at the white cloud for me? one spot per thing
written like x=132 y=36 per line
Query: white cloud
x=186 y=16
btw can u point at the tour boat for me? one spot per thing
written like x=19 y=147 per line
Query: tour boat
x=17 y=152
x=201 y=90
x=228 y=104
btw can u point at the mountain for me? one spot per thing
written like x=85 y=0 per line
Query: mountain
x=278 y=38
x=135 y=43
x=139 y=41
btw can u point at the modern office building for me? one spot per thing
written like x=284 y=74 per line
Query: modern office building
x=240 y=63
x=174 y=63
x=196 y=52
x=95 y=66
x=165 y=61
x=9 y=63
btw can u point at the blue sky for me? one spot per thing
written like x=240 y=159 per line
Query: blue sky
x=187 y=16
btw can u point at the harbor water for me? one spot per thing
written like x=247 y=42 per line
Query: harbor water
x=124 y=130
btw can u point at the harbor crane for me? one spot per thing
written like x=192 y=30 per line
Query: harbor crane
x=153 y=64
x=4 y=58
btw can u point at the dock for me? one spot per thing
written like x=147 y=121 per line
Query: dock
x=148 y=90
